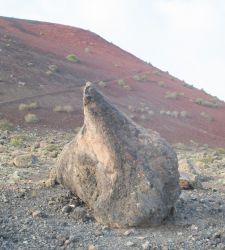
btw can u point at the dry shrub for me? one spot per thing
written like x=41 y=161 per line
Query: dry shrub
x=162 y=84
x=72 y=58
x=29 y=106
x=210 y=104
x=102 y=84
x=65 y=108
x=173 y=95
x=31 y=118
x=5 y=125
x=206 y=116
x=184 y=114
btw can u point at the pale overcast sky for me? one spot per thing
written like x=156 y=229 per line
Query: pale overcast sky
x=184 y=37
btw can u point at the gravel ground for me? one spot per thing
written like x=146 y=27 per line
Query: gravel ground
x=34 y=215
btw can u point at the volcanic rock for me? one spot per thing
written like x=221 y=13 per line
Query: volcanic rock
x=189 y=174
x=24 y=160
x=126 y=175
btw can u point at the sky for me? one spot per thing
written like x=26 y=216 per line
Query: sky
x=184 y=37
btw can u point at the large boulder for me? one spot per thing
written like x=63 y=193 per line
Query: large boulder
x=128 y=176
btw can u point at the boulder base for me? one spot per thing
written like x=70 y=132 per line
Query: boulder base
x=126 y=175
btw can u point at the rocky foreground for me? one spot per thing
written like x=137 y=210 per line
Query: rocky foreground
x=37 y=214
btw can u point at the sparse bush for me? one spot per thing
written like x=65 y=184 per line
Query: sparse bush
x=121 y=82
x=141 y=109
x=127 y=87
x=72 y=58
x=210 y=104
x=87 y=50
x=58 y=108
x=131 y=108
x=52 y=147
x=68 y=108
x=175 y=113
x=172 y=95
x=77 y=129
x=65 y=108
x=187 y=85
x=184 y=114
x=31 y=118
x=32 y=105
x=141 y=77
x=53 y=68
x=151 y=112
x=149 y=63
x=162 y=84
x=207 y=159
x=156 y=72
x=206 y=116
x=102 y=84
x=143 y=117
x=17 y=141
x=144 y=77
x=168 y=112
x=136 y=77
x=5 y=125
x=220 y=150
x=48 y=72
x=162 y=112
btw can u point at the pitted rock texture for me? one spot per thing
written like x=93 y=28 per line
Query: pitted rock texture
x=127 y=175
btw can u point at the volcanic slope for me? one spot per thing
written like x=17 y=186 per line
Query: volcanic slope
x=48 y=64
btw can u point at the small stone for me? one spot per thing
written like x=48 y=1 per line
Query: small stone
x=67 y=242
x=104 y=227
x=189 y=175
x=22 y=192
x=80 y=213
x=53 y=154
x=146 y=245
x=221 y=246
x=2 y=149
x=4 y=199
x=38 y=214
x=128 y=232
x=98 y=233
x=36 y=145
x=141 y=237
x=21 y=83
x=194 y=227
x=51 y=203
x=92 y=247
x=33 y=194
x=130 y=244
x=15 y=177
x=68 y=209
x=185 y=184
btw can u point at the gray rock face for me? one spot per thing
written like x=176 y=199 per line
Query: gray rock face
x=128 y=176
